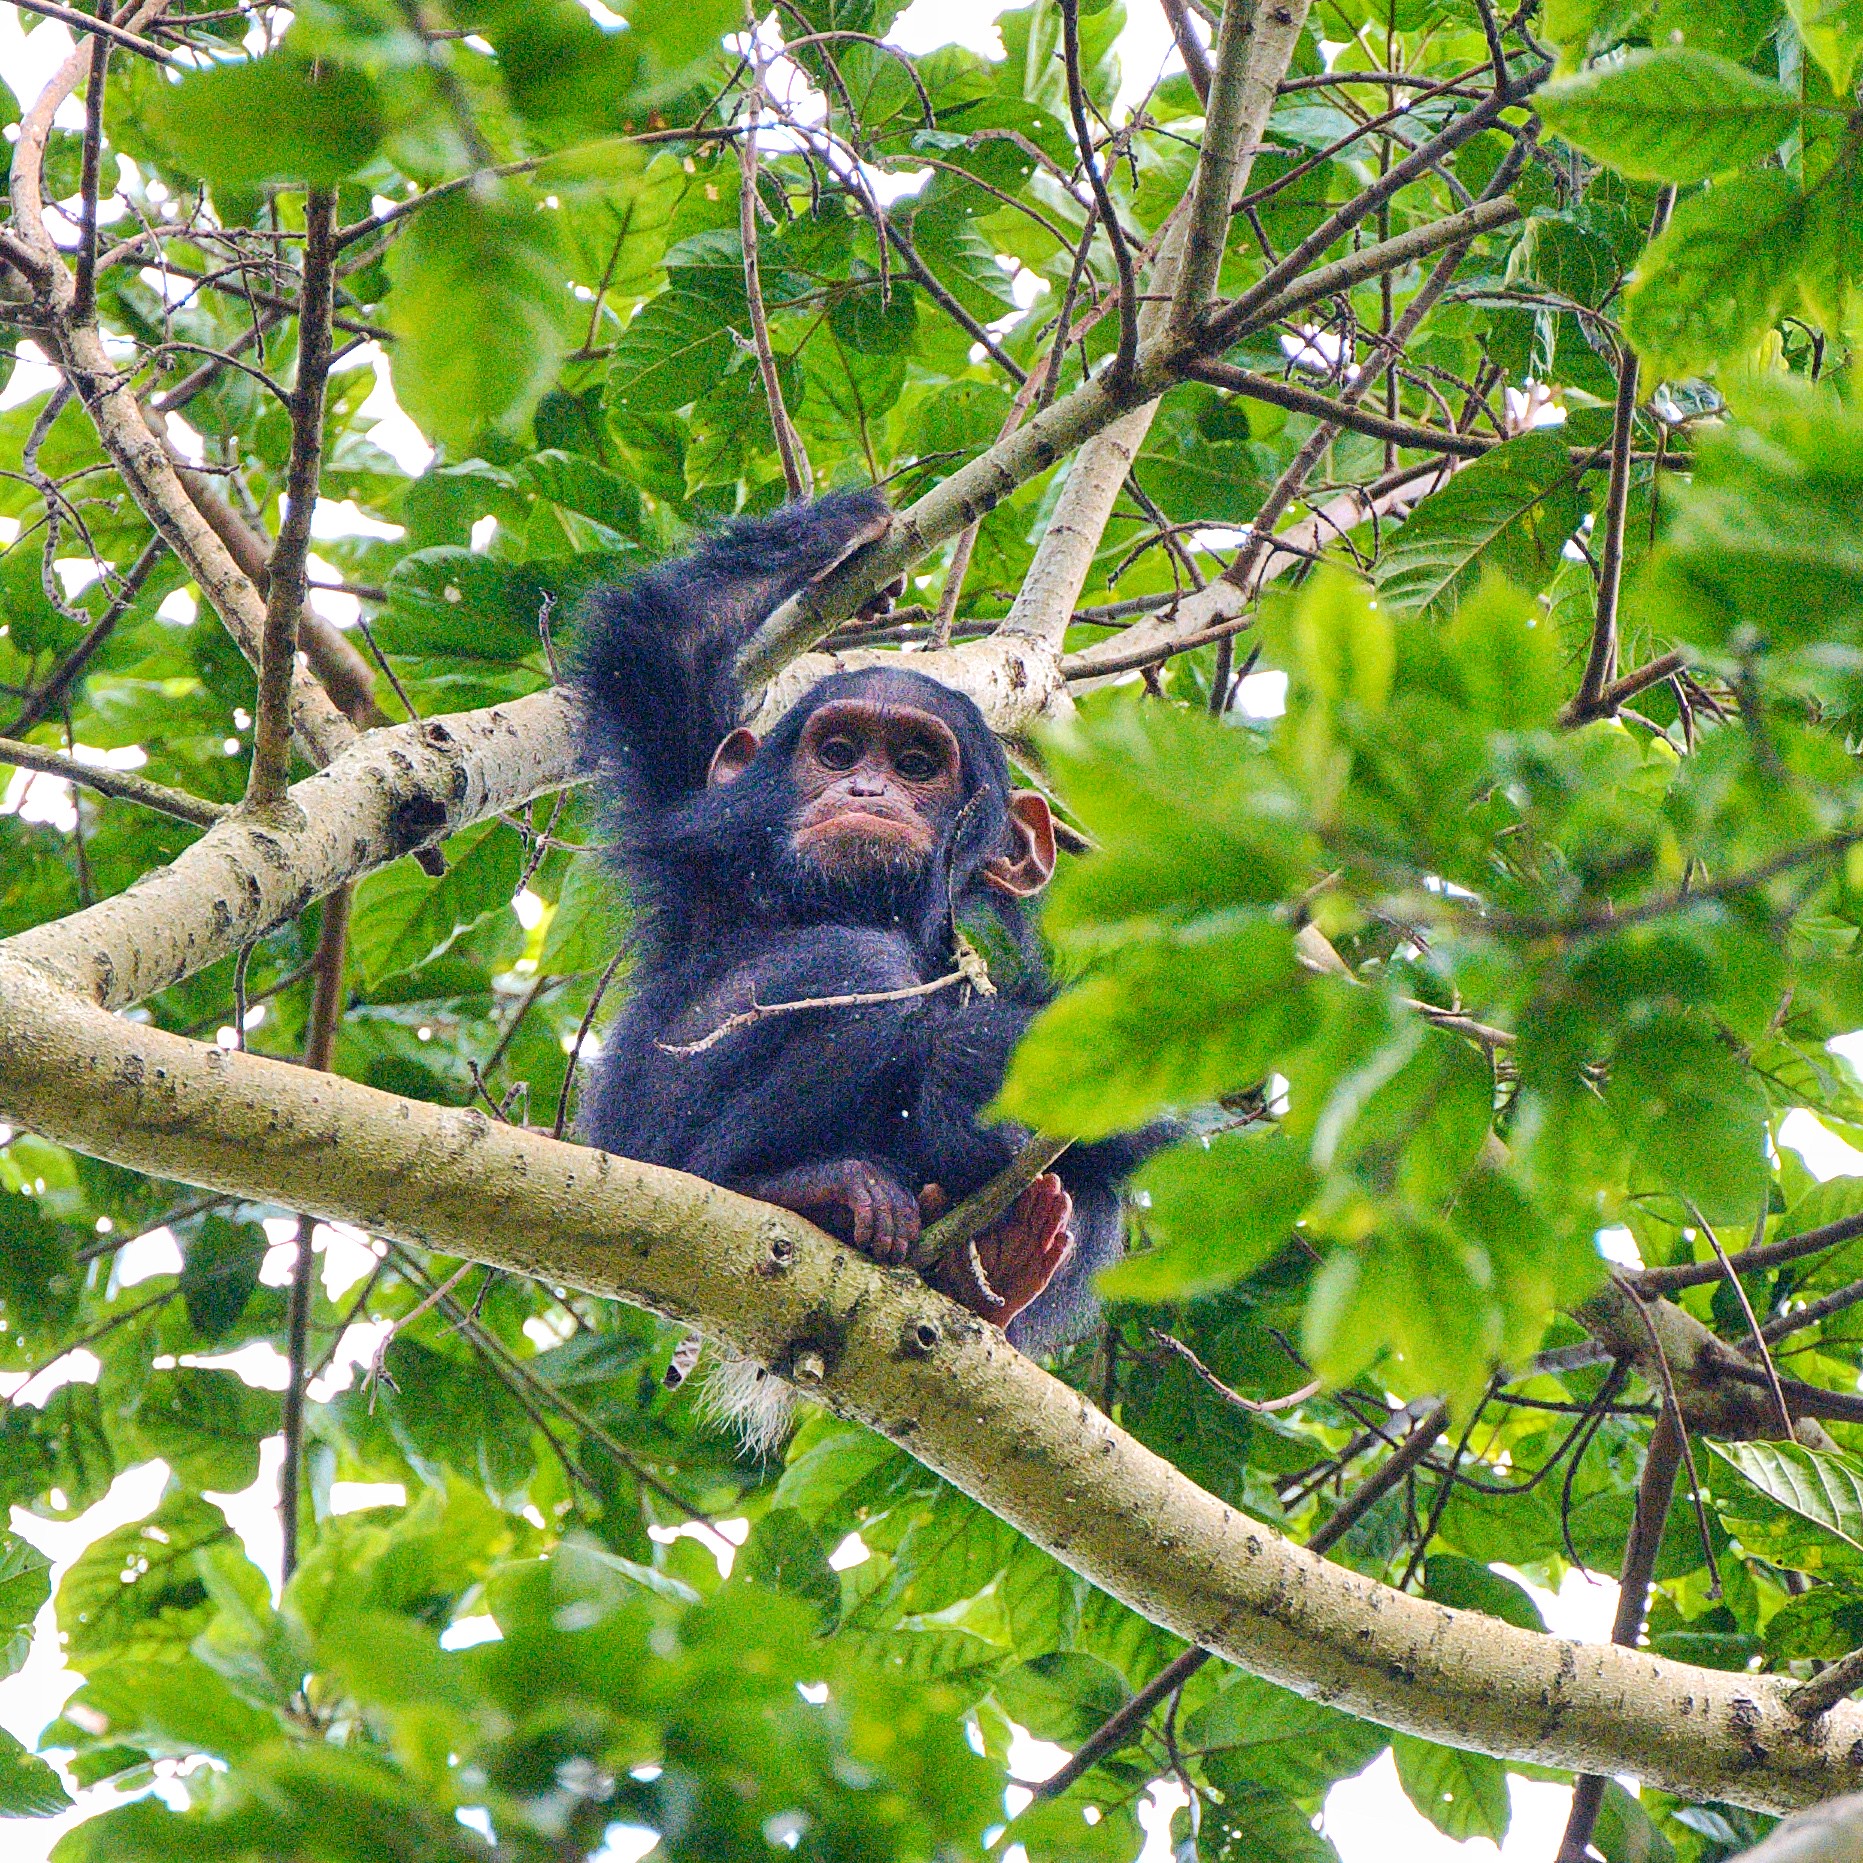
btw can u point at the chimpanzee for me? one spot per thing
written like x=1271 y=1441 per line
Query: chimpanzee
x=839 y=856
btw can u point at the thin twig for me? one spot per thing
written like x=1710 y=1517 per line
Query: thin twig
x=1601 y=661
x=119 y=784
x=1255 y=1406
x=98 y=24
x=270 y=774
x=1746 y=1306
x=759 y=1012
x=319 y=1045
x=84 y=290
x=1127 y=354
x=796 y=473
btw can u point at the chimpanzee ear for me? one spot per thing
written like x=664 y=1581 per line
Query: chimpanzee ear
x=732 y=758
x=1031 y=866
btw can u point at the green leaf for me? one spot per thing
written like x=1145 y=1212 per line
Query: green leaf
x=220 y=1271
x=784 y=1554
x=1833 y=34
x=399 y=928
x=673 y=352
x=1257 y=1826
x=1463 y=1794
x=477 y=310
x=1511 y=512
x=1694 y=1114
x=1470 y=1586
x=29 y=1788
x=1714 y=283
x=1220 y=1212
x=1265 y=1738
x=1817 y=1485
x=1675 y=114
x=1169 y=1022
x=25 y=1584
x=281 y=118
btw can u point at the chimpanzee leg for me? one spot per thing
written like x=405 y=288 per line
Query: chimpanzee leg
x=1001 y=1271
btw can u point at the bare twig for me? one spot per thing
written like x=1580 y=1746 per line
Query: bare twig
x=1189 y=48
x=270 y=775
x=1660 y=1466
x=319 y=1045
x=789 y=445
x=84 y=288
x=1255 y=1406
x=119 y=784
x=760 y=1012
x=99 y=25
x=1746 y=1306
x=1601 y=661
x=1127 y=354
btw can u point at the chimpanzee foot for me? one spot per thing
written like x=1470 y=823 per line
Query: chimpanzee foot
x=1002 y=1270
x=856 y=1202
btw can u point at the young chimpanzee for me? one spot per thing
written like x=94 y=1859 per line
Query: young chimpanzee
x=835 y=858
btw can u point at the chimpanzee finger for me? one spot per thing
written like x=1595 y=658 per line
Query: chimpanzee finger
x=860 y=1206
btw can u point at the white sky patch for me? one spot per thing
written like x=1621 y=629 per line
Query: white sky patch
x=32 y=375
x=352 y=1497
x=155 y=1252
x=1824 y=1153
x=393 y=431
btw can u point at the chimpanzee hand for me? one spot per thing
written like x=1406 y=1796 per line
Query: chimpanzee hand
x=856 y=1202
x=999 y=1273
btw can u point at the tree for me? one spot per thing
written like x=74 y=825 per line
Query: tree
x=1528 y=916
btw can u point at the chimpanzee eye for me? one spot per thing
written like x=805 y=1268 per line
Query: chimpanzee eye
x=917 y=764
x=837 y=753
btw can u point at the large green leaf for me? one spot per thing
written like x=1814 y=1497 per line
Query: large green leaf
x=1715 y=281
x=1463 y=1794
x=1675 y=114
x=478 y=310
x=278 y=118
x=1511 y=511
x=1821 y=1486
x=1171 y=1022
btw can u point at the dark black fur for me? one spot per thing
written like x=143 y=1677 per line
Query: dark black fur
x=722 y=909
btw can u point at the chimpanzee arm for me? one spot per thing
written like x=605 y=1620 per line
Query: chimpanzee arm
x=653 y=664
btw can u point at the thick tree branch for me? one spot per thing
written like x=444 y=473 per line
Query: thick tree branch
x=400 y=789
x=1230 y=136
x=885 y=1348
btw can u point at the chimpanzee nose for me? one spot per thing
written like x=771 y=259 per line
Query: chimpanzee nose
x=863 y=785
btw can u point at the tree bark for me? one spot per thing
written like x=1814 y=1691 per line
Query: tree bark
x=883 y=1347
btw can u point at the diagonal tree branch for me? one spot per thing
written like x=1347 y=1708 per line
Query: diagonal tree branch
x=891 y=1352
